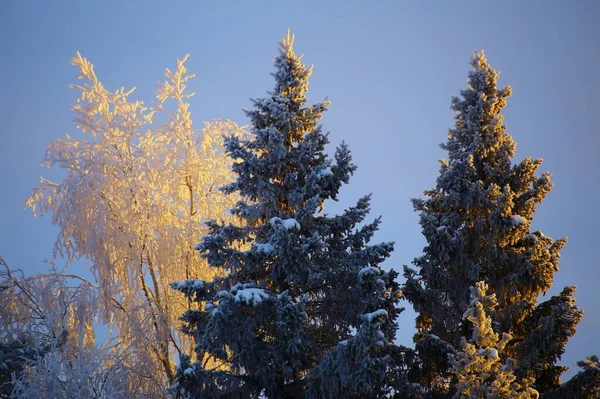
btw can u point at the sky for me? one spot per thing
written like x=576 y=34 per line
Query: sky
x=389 y=68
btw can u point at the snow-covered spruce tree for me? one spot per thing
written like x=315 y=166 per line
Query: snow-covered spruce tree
x=477 y=224
x=480 y=367
x=304 y=310
x=584 y=385
x=138 y=182
x=15 y=354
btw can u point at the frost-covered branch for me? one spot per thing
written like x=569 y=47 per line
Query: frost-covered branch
x=140 y=180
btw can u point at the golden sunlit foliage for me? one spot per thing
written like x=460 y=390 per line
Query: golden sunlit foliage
x=139 y=182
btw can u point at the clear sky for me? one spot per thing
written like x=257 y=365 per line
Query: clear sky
x=389 y=68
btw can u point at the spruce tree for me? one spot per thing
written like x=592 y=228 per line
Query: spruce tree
x=303 y=309
x=480 y=368
x=477 y=223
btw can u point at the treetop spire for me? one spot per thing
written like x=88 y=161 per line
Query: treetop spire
x=287 y=44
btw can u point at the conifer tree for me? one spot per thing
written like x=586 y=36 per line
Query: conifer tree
x=477 y=223
x=304 y=309
x=479 y=366
x=584 y=385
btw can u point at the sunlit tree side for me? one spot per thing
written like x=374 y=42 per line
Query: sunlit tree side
x=481 y=367
x=477 y=223
x=139 y=182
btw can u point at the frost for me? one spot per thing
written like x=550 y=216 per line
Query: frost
x=121 y=200
x=375 y=314
x=266 y=248
x=286 y=223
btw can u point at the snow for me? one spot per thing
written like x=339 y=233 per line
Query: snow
x=251 y=296
x=367 y=271
x=532 y=237
x=375 y=314
x=324 y=172
x=197 y=284
x=287 y=224
x=493 y=352
x=209 y=307
x=266 y=248
x=344 y=342
x=290 y=224
x=188 y=371
x=517 y=220
x=441 y=229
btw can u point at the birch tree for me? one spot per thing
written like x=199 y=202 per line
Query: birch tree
x=48 y=346
x=139 y=181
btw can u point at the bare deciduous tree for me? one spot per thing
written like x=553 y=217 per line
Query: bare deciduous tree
x=138 y=185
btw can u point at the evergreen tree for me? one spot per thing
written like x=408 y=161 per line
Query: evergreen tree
x=584 y=385
x=479 y=366
x=303 y=310
x=477 y=224
x=15 y=355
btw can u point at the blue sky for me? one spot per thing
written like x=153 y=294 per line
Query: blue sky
x=390 y=69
